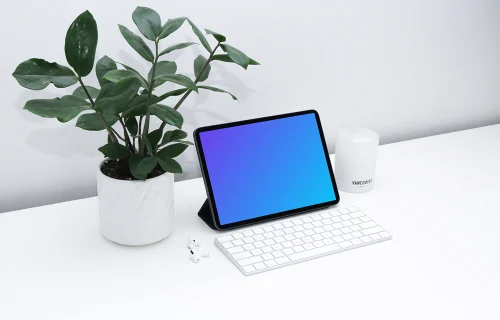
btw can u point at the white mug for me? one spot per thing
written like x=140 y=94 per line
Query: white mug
x=355 y=159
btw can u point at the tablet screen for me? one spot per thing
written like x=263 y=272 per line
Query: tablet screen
x=268 y=167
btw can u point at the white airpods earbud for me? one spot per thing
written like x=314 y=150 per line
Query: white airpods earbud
x=196 y=249
x=194 y=256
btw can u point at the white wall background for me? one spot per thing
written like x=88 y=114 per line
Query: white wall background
x=406 y=69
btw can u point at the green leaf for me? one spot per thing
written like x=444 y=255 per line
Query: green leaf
x=173 y=135
x=117 y=75
x=236 y=55
x=114 y=97
x=81 y=43
x=200 y=36
x=154 y=137
x=167 y=114
x=169 y=165
x=37 y=74
x=136 y=43
x=138 y=105
x=132 y=126
x=176 y=47
x=225 y=58
x=141 y=167
x=172 y=151
x=162 y=68
x=186 y=142
x=149 y=147
x=219 y=37
x=93 y=121
x=148 y=21
x=199 y=62
x=80 y=92
x=178 y=79
x=217 y=90
x=171 y=26
x=103 y=66
x=172 y=93
x=64 y=109
x=144 y=83
x=114 y=151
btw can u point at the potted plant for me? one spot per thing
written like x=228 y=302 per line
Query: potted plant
x=135 y=181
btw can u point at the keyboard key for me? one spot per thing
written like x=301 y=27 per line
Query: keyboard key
x=337 y=232
x=278 y=254
x=288 y=224
x=356 y=221
x=299 y=234
x=343 y=211
x=347 y=236
x=269 y=235
x=345 y=217
x=353 y=209
x=319 y=230
x=238 y=235
x=249 y=268
x=268 y=228
x=355 y=228
x=270 y=263
x=298 y=228
x=297 y=242
x=385 y=234
x=335 y=213
x=357 y=214
x=375 y=237
x=298 y=248
x=326 y=215
x=238 y=242
x=357 y=234
x=338 y=226
x=225 y=238
x=282 y=260
x=278 y=233
x=367 y=225
x=309 y=232
x=338 y=239
x=318 y=244
x=287 y=244
x=356 y=241
x=228 y=244
x=249 y=246
x=336 y=219
x=259 y=244
x=267 y=256
x=248 y=233
x=257 y=252
x=308 y=225
x=234 y=250
x=277 y=246
x=313 y=252
x=260 y=266
x=327 y=221
x=258 y=237
x=277 y=226
x=297 y=222
x=289 y=236
x=248 y=240
x=328 y=228
x=345 y=244
x=251 y=260
x=316 y=217
x=317 y=223
x=365 y=219
x=257 y=231
x=317 y=237
x=269 y=242
x=242 y=255
x=307 y=239
x=309 y=246
x=288 y=251
x=267 y=249
x=366 y=239
x=328 y=241
x=346 y=230
x=279 y=239
x=307 y=220
x=347 y=223
x=327 y=234
x=370 y=231
x=289 y=230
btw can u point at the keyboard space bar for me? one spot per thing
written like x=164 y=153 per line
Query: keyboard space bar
x=314 y=252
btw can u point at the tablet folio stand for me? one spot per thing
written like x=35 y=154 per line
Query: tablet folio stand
x=206 y=214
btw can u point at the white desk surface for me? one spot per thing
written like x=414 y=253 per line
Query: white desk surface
x=438 y=197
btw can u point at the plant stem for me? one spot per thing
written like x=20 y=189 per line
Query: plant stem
x=150 y=93
x=118 y=135
x=127 y=138
x=106 y=125
x=178 y=104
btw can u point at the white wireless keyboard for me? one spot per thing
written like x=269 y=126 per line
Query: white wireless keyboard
x=300 y=239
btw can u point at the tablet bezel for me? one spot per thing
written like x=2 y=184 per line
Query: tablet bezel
x=208 y=185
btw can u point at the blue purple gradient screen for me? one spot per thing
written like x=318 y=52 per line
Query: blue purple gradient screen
x=267 y=167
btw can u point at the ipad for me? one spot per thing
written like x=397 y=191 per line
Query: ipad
x=267 y=168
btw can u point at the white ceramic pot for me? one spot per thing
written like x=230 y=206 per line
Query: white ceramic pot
x=135 y=213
